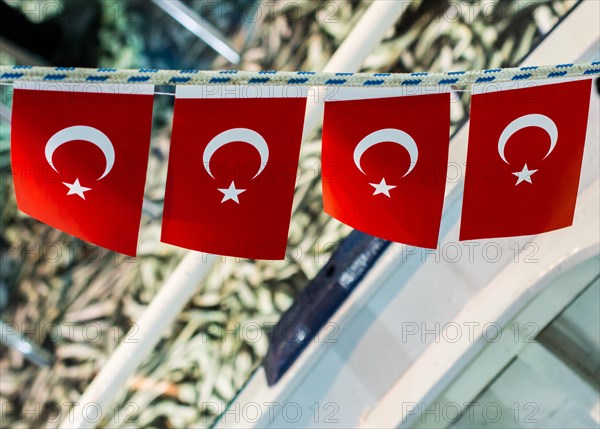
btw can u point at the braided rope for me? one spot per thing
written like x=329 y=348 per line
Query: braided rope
x=11 y=74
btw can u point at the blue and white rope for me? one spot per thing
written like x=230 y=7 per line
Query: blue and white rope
x=10 y=74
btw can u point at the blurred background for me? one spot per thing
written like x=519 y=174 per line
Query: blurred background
x=77 y=301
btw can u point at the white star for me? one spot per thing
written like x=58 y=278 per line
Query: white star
x=524 y=175
x=231 y=193
x=382 y=188
x=75 y=188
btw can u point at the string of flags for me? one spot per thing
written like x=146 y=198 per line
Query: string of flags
x=79 y=155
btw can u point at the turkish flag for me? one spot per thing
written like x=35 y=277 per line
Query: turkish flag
x=79 y=155
x=524 y=159
x=232 y=171
x=384 y=165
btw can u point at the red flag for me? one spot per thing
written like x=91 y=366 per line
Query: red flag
x=79 y=157
x=384 y=165
x=232 y=171
x=524 y=159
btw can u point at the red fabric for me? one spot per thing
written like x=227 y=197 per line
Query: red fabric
x=494 y=205
x=195 y=215
x=413 y=211
x=109 y=216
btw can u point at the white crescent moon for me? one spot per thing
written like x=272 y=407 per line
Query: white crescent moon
x=533 y=120
x=244 y=135
x=82 y=132
x=388 y=135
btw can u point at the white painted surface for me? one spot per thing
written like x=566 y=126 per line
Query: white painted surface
x=379 y=363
